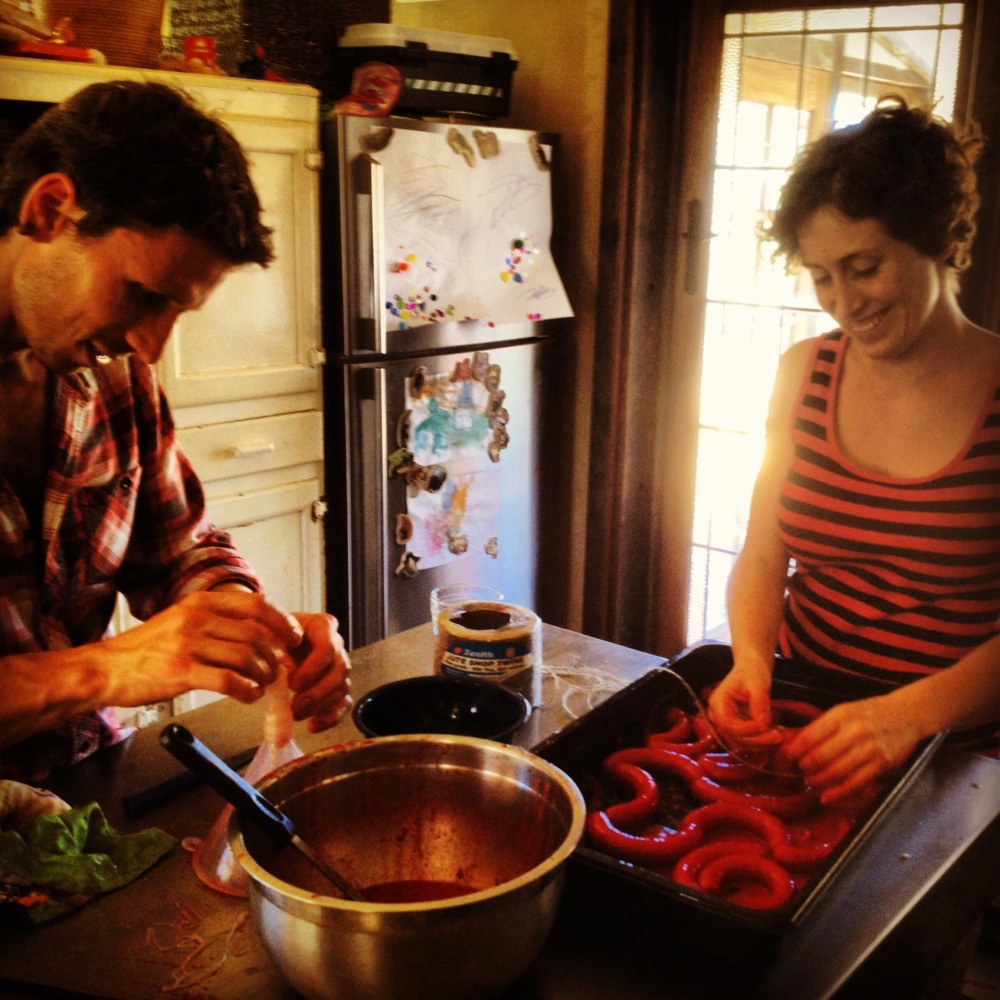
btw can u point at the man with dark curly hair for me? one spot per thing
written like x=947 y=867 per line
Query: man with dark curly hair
x=120 y=209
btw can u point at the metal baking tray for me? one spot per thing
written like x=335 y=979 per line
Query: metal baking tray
x=610 y=889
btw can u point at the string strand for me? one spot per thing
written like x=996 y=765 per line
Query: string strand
x=582 y=687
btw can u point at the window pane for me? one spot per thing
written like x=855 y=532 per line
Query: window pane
x=907 y=16
x=838 y=19
x=696 y=624
x=947 y=73
x=785 y=20
x=905 y=62
x=740 y=358
x=722 y=489
x=725 y=136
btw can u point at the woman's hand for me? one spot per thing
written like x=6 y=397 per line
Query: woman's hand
x=852 y=745
x=320 y=673
x=740 y=705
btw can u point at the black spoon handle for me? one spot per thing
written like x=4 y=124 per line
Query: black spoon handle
x=248 y=802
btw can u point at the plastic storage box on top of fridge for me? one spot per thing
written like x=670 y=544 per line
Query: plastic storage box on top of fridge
x=444 y=72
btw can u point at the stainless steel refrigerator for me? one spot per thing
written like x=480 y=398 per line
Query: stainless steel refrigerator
x=438 y=280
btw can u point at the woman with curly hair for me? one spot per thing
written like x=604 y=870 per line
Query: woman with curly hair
x=873 y=546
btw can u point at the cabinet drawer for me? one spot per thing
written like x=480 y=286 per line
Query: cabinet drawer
x=221 y=451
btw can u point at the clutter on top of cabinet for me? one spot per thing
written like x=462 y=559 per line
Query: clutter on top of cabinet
x=443 y=72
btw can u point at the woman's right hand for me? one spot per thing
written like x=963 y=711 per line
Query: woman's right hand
x=740 y=705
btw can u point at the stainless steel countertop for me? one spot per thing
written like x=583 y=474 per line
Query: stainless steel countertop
x=898 y=907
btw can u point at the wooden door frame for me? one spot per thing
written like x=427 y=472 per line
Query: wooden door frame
x=641 y=477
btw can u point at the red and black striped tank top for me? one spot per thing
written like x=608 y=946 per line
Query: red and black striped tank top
x=893 y=578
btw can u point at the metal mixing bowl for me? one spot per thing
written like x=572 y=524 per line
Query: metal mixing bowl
x=444 y=809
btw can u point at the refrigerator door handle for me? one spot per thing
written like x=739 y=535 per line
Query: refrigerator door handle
x=370 y=515
x=378 y=253
x=366 y=259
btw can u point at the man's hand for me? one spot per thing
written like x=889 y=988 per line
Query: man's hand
x=226 y=641
x=320 y=673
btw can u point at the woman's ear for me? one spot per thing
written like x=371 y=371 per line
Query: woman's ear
x=48 y=207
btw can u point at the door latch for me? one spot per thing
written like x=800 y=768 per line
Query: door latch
x=695 y=235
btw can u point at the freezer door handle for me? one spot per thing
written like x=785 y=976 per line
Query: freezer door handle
x=368 y=512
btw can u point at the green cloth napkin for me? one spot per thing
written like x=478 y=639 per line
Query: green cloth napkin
x=70 y=856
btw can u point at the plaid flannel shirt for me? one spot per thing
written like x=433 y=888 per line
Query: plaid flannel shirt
x=123 y=512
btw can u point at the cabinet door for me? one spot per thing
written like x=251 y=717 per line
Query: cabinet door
x=277 y=532
x=259 y=333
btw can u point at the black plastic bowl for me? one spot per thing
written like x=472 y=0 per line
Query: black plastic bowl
x=454 y=706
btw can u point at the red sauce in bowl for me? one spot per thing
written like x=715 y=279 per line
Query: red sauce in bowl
x=415 y=891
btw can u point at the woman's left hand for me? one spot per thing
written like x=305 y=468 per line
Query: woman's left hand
x=852 y=745
x=320 y=673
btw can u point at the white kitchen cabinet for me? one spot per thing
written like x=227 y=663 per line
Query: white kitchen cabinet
x=243 y=374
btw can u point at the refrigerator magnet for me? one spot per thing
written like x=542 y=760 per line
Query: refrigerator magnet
x=404 y=528
x=487 y=143
x=407 y=567
x=416 y=380
x=437 y=475
x=403 y=429
x=459 y=144
x=400 y=461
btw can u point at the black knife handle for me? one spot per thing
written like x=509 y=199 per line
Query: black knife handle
x=146 y=799
x=236 y=790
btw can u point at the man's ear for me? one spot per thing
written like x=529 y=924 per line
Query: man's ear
x=48 y=207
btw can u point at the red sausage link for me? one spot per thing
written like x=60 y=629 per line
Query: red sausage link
x=678 y=727
x=639 y=810
x=811 y=843
x=784 y=806
x=738 y=845
x=658 y=761
x=723 y=818
x=703 y=742
x=721 y=766
x=664 y=846
x=780 y=761
x=687 y=870
x=788 y=712
x=755 y=882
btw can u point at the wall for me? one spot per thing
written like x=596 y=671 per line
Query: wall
x=559 y=86
x=299 y=48
x=218 y=19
